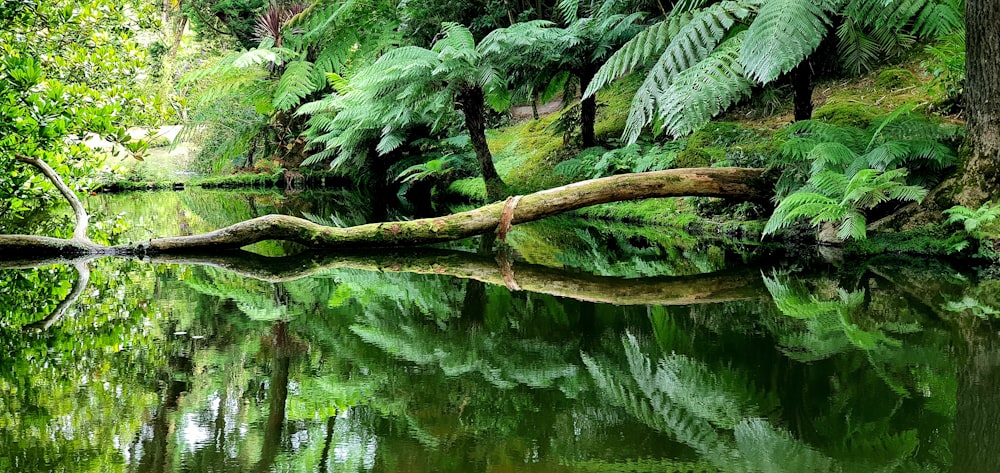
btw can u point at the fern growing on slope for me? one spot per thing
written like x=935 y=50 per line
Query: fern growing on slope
x=849 y=171
x=780 y=35
x=834 y=197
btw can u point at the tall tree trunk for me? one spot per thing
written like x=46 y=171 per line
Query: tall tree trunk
x=979 y=180
x=588 y=109
x=802 y=86
x=324 y=458
x=471 y=102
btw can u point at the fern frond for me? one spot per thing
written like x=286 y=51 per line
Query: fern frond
x=295 y=84
x=784 y=33
x=857 y=51
x=648 y=43
x=256 y=57
x=832 y=156
x=853 y=225
x=888 y=155
x=701 y=92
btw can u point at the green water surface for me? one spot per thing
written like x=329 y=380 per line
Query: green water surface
x=579 y=349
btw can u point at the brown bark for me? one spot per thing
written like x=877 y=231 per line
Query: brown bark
x=749 y=184
x=277 y=397
x=82 y=219
x=472 y=104
x=82 y=280
x=979 y=179
x=737 y=183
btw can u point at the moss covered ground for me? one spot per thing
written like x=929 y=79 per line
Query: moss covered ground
x=528 y=153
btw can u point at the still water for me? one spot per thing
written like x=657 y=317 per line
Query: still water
x=581 y=349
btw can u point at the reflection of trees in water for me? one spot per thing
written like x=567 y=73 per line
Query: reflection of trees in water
x=352 y=369
x=867 y=414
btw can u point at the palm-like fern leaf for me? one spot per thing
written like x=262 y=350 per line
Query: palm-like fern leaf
x=834 y=197
x=784 y=33
x=701 y=92
x=295 y=84
x=857 y=51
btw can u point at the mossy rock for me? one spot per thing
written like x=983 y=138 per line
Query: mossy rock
x=844 y=114
x=693 y=158
x=893 y=79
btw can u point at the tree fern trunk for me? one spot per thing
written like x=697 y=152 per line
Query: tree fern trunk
x=471 y=103
x=980 y=177
x=802 y=86
x=534 y=103
x=588 y=110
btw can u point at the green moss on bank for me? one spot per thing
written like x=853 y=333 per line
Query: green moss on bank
x=931 y=240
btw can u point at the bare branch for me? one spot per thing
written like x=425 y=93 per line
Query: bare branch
x=82 y=219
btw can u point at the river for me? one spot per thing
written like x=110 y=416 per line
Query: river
x=581 y=347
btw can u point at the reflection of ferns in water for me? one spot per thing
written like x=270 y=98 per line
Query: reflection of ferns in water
x=260 y=300
x=619 y=250
x=719 y=418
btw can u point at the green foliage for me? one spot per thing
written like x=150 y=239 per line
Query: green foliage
x=234 y=18
x=936 y=240
x=412 y=86
x=976 y=223
x=973 y=220
x=872 y=29
x=229 y=112
x=700 y=92
x=900 y=139
x=681 y=42
x=834 y=197
x=701 y=49
x=295 y=84
x=472 y=188
x=948 y=68
x=68 y=71
x=593 y=163
x=783 y=34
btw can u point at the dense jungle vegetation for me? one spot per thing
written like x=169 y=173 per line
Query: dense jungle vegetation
x=854 y=107
x=164 y=322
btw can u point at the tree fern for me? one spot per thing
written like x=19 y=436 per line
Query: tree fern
x=701 y=92
x=784 y=33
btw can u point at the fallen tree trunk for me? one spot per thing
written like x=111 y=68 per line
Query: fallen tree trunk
x=708 y=288
x=735 y=183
